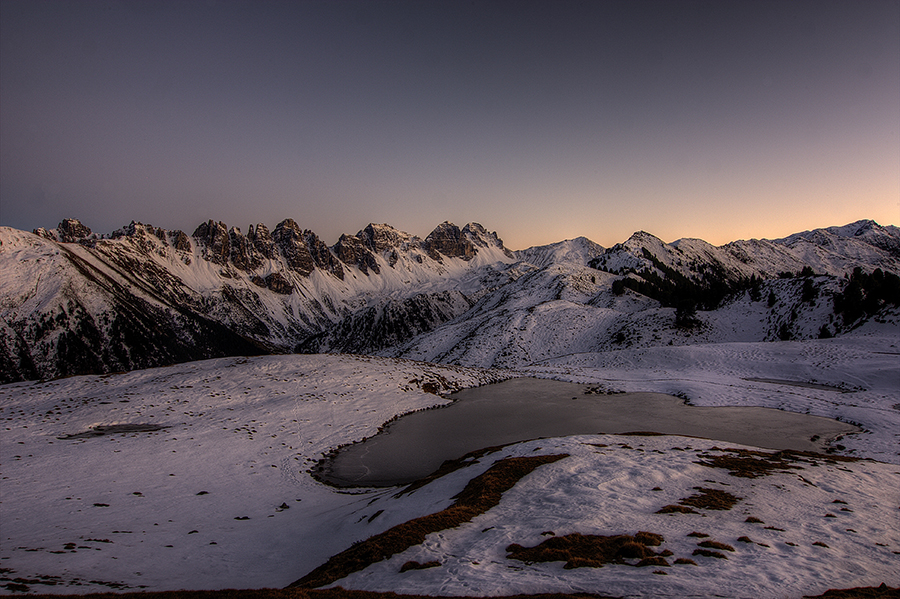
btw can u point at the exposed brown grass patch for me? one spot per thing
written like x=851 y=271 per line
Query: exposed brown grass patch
x=716 y=545
x=707 y=499
x=711 y=499
x=749 y=463
x=656 y=560
x=591 y=551
x=685 y=561
x=879 y=592
x=481 y=494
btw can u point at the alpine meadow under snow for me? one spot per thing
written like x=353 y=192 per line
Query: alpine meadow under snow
x=167 y=398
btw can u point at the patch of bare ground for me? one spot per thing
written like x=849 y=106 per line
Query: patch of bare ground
x=592 y=551
x=707 y=499
x=748 y=463
x=481 y=494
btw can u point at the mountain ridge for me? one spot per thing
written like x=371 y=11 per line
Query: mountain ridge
x=75 y=302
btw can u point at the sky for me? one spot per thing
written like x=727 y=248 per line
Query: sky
x=542 y=121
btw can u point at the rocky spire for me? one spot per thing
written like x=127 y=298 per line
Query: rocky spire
x=447 y=239
x=290 y=241
x=216 y=241
x=350 y=249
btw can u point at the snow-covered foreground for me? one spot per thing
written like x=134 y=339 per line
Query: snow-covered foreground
x=221 y=497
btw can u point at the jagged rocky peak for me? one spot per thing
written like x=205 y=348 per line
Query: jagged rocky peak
x=243 y=254
x=351 y=249
x=70 y=230
x=290 y=240
x=214 y=238
x=380 y=238
x=447 y=239
x=45 y=233
x=179 y=240
x=481 y=237
x=140 y=232
x=261 y=239
x=322 y=256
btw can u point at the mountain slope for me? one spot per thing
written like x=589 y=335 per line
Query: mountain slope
x=76 y=302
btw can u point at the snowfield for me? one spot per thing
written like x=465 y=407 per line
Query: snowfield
x=220 y=496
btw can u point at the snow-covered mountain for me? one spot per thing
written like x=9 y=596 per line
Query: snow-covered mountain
x=833 y=251
x=166 y=478
x=75 y=302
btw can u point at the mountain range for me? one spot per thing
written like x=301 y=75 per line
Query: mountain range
x=74 y=302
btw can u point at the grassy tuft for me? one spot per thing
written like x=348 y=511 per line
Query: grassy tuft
x=711 y=499
x=579 y=551
x=749 y=463
x=716 y=545
x=649 y=538
x=707 y=499
x=656 y=560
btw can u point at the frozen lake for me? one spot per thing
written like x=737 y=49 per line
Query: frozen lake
x=520 y=409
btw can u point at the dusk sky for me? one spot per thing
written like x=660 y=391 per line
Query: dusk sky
x=541 y=120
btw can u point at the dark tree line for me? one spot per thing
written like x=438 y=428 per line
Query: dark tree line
x=863 y=295
x=674 y=290
x=866 y=293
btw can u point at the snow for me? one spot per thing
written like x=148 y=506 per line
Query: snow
x=606 y=487
x=221 y=496
x=165 y=510
x=245 y=431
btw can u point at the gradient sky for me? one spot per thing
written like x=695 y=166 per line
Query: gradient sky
x=540 y=120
